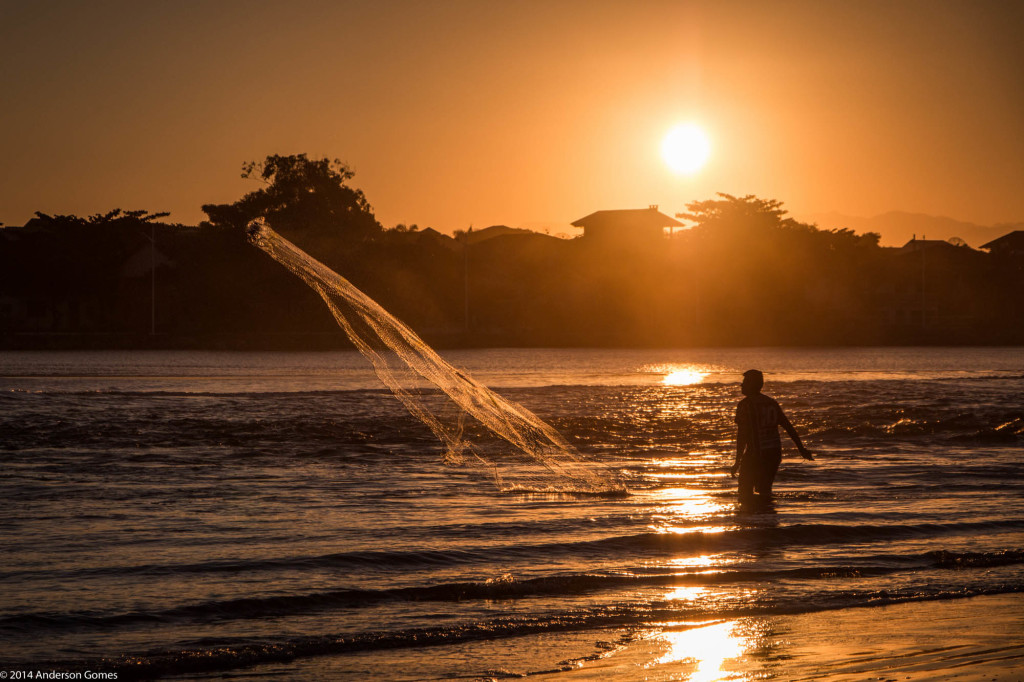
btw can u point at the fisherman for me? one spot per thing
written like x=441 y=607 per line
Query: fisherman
x=758 y=446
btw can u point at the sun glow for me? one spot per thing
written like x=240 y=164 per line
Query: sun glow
x=686 y=148
x=707 y=648
x=684 y=377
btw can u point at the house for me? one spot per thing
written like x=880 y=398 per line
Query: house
x=626 y=226
x=431 y=237
x=916 y=245
x=1010 y=244
x=482 y=235
x=929 y=285
x=461 y=238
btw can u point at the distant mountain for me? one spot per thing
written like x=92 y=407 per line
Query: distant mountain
x=899 y=227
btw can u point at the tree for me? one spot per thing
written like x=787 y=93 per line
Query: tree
x=752 y=222
x=302 y=197
x=737 y=215
x=774 y=278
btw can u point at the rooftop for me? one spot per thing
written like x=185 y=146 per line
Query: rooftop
x=1013 y=239
x=631 y=218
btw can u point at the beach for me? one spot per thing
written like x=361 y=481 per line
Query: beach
x=972 y=640
x=280 y=515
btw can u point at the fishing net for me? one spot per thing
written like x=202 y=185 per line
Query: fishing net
x=478 y=427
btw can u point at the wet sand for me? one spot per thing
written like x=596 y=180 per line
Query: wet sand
x=975 y=639
x=968 y=640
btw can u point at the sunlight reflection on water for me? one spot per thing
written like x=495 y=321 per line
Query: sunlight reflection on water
x=700 y=652
x=678 y=510
x=686 y=593
x=707 y=647
x=704 y=560
x=684 y=377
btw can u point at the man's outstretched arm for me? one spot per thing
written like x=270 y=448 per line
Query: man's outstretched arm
x=784 y=422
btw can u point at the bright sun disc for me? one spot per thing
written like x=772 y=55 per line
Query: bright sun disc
x=686 y=148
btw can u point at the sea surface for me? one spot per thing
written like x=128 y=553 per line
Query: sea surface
x=175 y=513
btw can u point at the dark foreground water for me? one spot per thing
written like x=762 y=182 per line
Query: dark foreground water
x=184 y=512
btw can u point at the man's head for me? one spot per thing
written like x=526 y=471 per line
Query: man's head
x=753 y=381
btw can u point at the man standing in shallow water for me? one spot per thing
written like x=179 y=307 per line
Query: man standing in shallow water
x=758 y=446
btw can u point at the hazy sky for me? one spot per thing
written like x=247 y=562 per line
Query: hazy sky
x=528 y=114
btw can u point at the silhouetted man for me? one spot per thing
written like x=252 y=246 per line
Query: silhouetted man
x=758 y=446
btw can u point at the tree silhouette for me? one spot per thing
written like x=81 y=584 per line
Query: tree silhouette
x=301 y=197
x=735 y=220
x=737 y=214
x=772 y=278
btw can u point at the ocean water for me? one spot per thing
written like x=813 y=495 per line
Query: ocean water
x=175 y=513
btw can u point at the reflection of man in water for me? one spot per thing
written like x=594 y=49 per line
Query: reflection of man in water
x=758 y=446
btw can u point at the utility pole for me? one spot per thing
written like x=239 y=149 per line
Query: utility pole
x=465 y=277
x=152 y=279
x=696 y=300
x=924 y=300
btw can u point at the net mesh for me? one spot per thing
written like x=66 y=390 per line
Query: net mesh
x=477 y=427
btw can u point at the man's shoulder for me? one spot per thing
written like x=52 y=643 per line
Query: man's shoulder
x=760 y=397
x=761 y=400
x=742 y=408
x=772 y=402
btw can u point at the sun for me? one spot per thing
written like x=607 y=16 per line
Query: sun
x=686 y=148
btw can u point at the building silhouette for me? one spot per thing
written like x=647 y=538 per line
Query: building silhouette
x=635 y=226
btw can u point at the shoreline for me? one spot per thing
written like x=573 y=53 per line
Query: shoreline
x=971 y=639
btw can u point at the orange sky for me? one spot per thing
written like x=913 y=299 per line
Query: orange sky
x=529 y=114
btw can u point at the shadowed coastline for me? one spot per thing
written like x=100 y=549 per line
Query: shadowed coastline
x=741 y=273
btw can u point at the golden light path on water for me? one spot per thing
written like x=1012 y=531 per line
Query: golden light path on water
x=687 y=500
x=707 y=648
x=699 y=652
x=684 y=377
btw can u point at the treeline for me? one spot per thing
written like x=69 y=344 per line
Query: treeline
x=745 y=274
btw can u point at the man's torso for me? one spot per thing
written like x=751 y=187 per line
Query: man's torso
x=760 y=416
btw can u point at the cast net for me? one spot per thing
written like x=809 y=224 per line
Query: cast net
x=477 y=427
